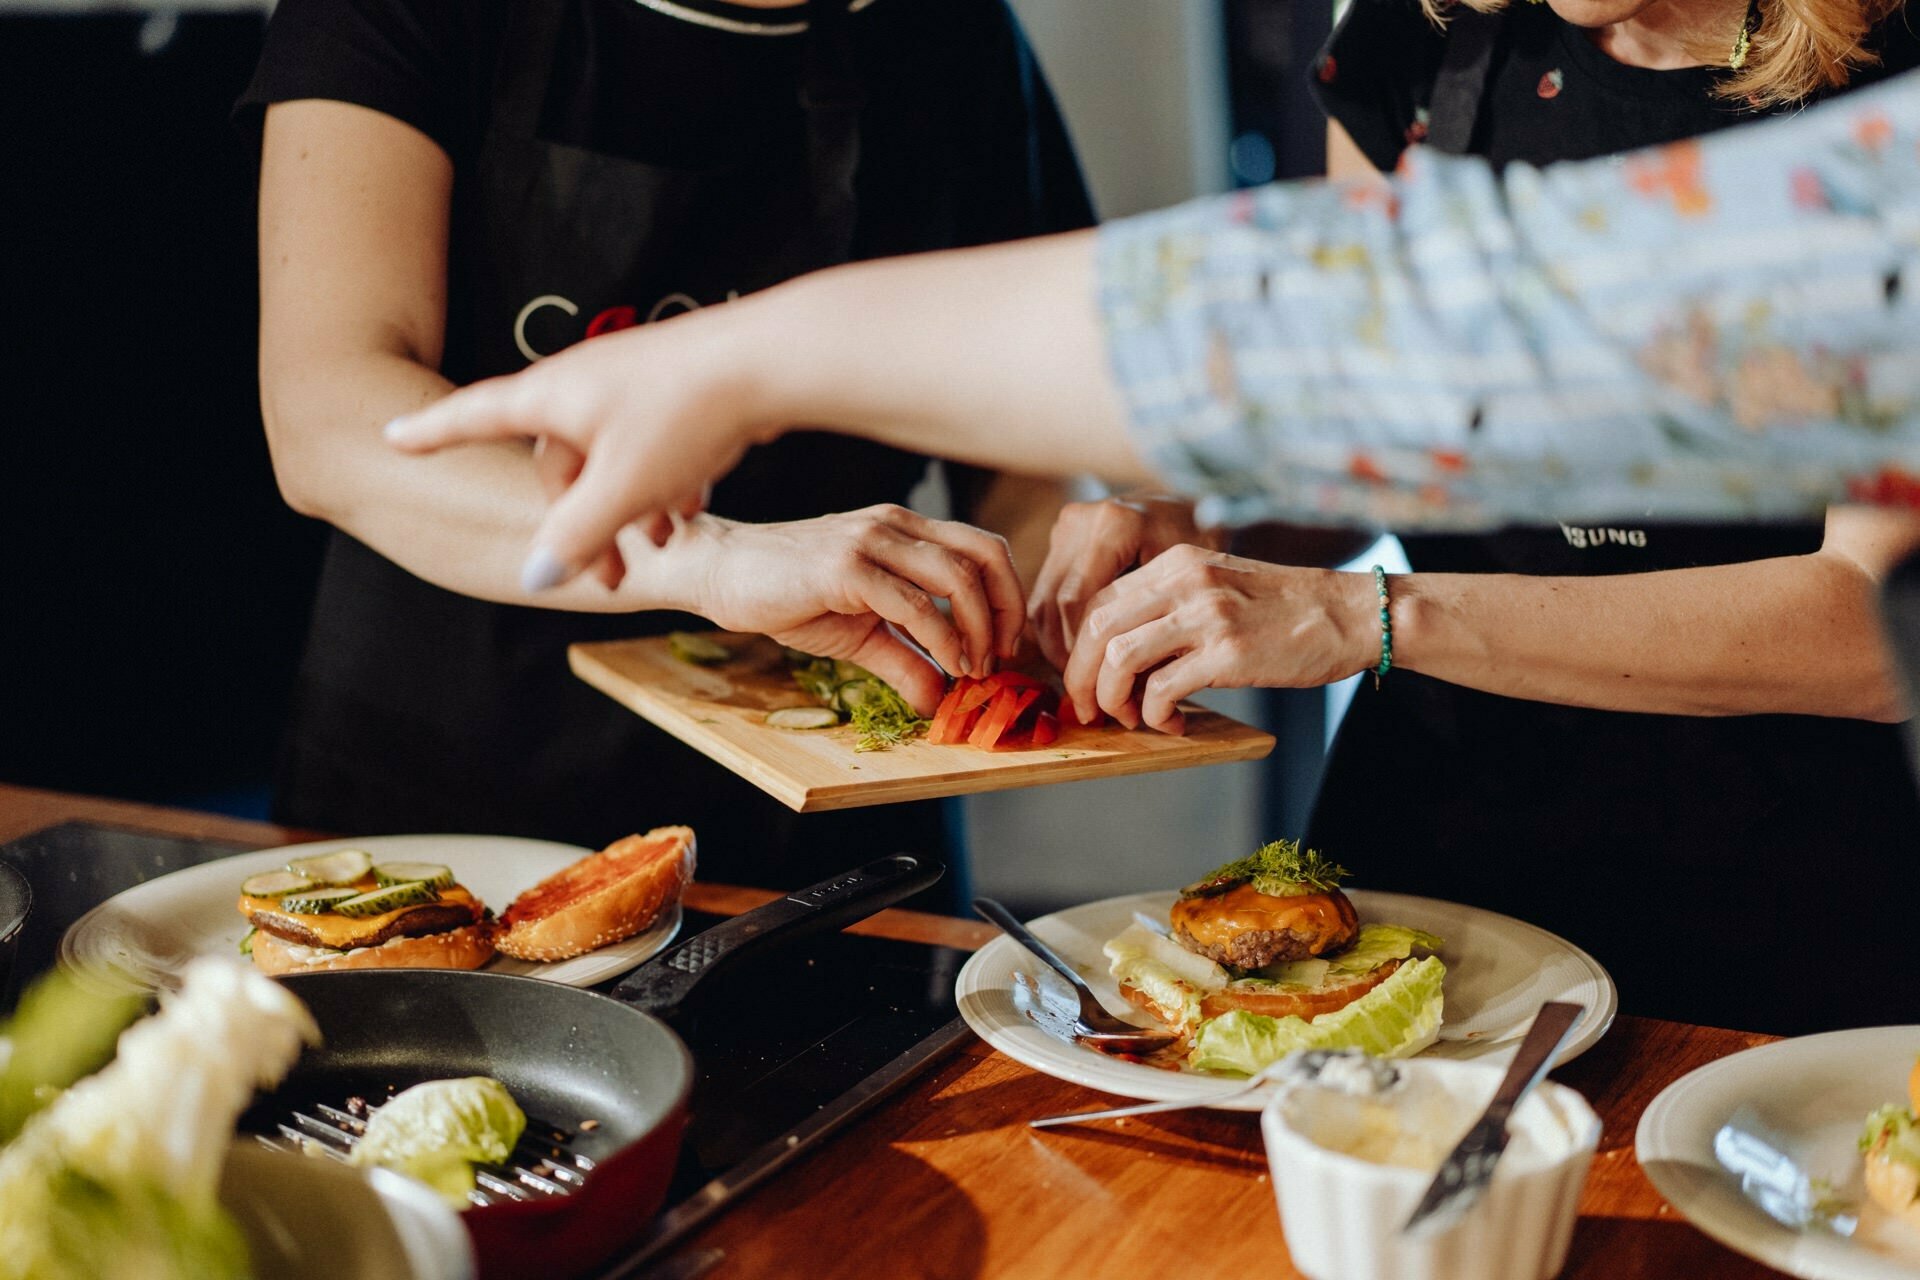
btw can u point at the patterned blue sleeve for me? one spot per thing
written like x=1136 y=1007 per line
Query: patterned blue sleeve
x=1721 y=329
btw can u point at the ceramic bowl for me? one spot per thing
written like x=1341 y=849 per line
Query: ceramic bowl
x=1343 y=1214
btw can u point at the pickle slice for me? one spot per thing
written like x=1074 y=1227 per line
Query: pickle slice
x=431 y=874
x=275 y=884
x=391 y=898
x=697 y=649
x=333 y=870
x=317 y=902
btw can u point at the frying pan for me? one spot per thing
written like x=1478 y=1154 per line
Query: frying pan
x=603 y=1080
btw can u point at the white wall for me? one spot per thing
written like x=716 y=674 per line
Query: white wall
x=1142 y=85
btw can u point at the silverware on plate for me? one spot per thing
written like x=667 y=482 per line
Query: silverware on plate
x=1748 y=1148
x=1464 y=1175
x=1094 y=1026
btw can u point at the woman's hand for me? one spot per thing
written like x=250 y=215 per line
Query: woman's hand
x=831 y=585
x=1195 y=619
x=1092 y=544
x=608 y=408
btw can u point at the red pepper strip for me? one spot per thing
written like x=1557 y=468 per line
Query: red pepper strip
x=1019 y=731
x=1000 y=716
x=1046 y=730
x=947 y=717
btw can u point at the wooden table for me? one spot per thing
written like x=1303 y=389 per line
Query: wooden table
x=946 y=1181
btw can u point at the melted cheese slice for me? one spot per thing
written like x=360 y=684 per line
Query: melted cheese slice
x=343 y=933
x=1215 y=920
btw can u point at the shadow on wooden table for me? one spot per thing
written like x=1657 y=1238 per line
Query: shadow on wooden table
x=1605 y=1247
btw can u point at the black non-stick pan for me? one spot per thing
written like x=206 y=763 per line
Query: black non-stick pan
x=604 y=1081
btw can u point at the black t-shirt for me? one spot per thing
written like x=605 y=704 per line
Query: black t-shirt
x=1679 y=850
x=959 y=129
x=1551 y=94
x=420 y=709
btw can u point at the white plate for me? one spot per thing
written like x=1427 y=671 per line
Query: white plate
x=1814 y=1093
x=1499 y=972
x=140 y=939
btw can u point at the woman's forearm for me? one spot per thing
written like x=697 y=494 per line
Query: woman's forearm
x=1008 y=370
x=460 y=520
x=1798 y=634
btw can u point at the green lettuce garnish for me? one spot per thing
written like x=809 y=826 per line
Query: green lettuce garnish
x=1396 y=1019
x=1280 y=870
x=1373 y=946
x=1895 y=1123
x=435 y=1132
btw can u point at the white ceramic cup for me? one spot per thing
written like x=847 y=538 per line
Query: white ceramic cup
x=1343 y=1215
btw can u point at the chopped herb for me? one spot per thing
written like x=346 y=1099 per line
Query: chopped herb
x=886 y=719
x=879 y=714
x=1280 y=870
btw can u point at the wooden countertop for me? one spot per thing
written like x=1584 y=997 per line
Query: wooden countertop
x=945 y=1179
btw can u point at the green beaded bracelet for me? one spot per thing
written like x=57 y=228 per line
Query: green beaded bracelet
x=1386 y=627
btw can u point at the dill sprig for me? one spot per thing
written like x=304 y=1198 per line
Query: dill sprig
x=885 y=720
x=1280 y=870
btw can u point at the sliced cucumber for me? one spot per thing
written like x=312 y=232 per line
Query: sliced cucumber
x=274 y=884
x=391 y=898
x=318 y=902
x=697 y=649
x=857 y=693
x=803 y=718
x=332 y=870
x=431 y=874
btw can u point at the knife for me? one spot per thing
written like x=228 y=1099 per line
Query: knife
x=1463 y=1177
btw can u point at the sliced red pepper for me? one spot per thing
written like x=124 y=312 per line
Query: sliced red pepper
x=1017 y=680
x=1000 y=715
x=947 y=717
x=1019 y=735
x=1046 y=730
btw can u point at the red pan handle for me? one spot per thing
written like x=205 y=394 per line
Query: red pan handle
x=662 y=983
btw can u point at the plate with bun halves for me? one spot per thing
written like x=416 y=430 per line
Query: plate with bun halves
x=1269 y=954
x=511 y=905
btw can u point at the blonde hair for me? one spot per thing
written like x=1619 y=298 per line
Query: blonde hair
x=1798 y=49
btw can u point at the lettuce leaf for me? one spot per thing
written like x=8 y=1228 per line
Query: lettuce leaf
x=1396 y=1019
x=118 y=1176
x=434 y=1132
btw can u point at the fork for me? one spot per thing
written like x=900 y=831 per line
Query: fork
x=1095 y=1027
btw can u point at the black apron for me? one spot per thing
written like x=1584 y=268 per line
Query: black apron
x=419 y=709
x=1747 y=871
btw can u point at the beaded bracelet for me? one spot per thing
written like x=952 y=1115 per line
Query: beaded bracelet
x=1386 y=627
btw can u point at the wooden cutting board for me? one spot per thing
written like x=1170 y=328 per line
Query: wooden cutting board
x=720 y=711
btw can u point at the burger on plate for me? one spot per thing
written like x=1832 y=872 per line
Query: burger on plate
x=1891 y=1143
x=341 y=910
x=1266 y=955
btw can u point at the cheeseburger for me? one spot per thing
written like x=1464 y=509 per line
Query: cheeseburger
x=1264 y=946
x=340 y=910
